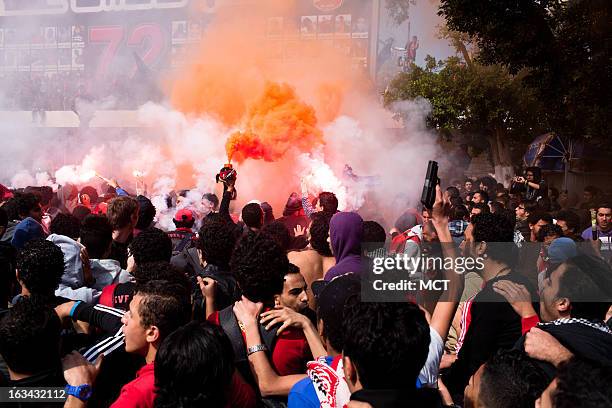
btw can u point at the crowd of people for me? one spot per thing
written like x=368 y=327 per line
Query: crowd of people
x=248 y=309
x=62 y=91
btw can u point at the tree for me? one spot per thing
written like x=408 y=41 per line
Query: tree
x=562 y=47
x=482 y=102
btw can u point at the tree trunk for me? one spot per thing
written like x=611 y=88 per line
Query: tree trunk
x=500 y=155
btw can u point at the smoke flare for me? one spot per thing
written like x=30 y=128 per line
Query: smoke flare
x=275 y=122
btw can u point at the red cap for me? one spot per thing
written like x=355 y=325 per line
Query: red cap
x=183 y=215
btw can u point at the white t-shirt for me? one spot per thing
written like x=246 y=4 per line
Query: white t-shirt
x=429 y=373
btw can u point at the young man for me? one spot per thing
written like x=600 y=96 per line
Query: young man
x=40 y=266
x=535 y=221
x=253 y=216
x=294 y=294
x=122 y=213
x=183 y=236
x=574 y=299
x=603 y=231
x=151 y=245
x=509 y=379
x=317 y=259
x=491 y=323
x=569 y=222
x=207 y=266
x=385 y=347
x=293 y=215
x=480 y=196
x=30 y=345
x=156 y=310
x=259 y=266
x=345 y=237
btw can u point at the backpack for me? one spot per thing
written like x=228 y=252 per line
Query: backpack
x=230 y=326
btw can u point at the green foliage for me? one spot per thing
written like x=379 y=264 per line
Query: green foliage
x=477 y=101
x=563 y=47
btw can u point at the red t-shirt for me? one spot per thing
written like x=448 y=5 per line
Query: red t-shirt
x=139 y=393
x=291 y=351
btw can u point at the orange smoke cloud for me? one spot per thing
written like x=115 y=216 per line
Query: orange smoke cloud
x=275 y=122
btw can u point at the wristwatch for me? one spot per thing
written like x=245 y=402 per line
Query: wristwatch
x=256 y=348
x=82 y=392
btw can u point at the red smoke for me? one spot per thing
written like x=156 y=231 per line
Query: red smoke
x=274 y=123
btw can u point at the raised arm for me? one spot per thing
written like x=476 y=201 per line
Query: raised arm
x=442 y=316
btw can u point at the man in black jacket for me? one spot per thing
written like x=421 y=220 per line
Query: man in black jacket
x=493 y=324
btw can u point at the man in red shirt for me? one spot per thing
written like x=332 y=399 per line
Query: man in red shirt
x=259 y=266
x=156 y=310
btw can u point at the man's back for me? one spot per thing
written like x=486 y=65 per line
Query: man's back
x=493 y=325
x=313 y=266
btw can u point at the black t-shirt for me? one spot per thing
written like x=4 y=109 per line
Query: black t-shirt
x=119 y=252
x=494 y=325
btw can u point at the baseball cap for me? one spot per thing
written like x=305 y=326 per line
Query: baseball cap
x=183 y=215
x=333 y=295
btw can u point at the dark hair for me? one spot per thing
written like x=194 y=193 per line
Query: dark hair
x=387 y=342
x=259 y=265
x=510 y=379
x=26 y=202
x=252 y=215
x=456 y=201
x=483 y=194
x=587 y=283
x=212 y=198
x=44 y=193
x=268 y=212
x=152 y=244
x=571 y=219
x=217 y=239
x=80 y=212
x=583 y=384
x=91 y=192
x=120 y=211
x=278 y=231
x=65 y=224
x=549 y=230
x=489 y=182
x=97 y=235
x=30 y=337
x=535 y=217
x=164 y=304
x=459 y=212
x=3 y=219
x=374 y=232
x=537 y=173
x=159 y=270
x=41 y=266
x=497 y=232
x=495 y=206
x=531 y=206
x=483 y=207
x=319 y=232
x=146 y=214
x=10 y=206
x=328 y=202
x=604 y=205
x=592 y=189
x=554 y=192
x=453 y=191
x=194 y=367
